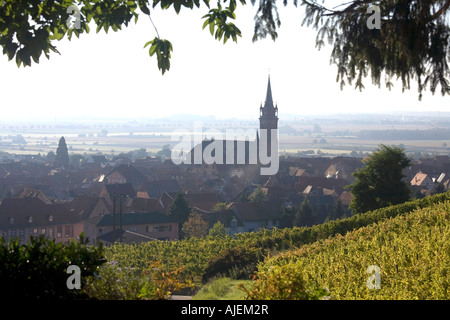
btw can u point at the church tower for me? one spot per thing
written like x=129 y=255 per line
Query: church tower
x=268 y=116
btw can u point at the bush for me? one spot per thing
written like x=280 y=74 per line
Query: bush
x=124 y=283
x=114 y=283
x=284 y=283
x=38 y=269
x=222 y=289
x=236 y=263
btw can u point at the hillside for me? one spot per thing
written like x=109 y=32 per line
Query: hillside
x=412 y=252
x=335 y=254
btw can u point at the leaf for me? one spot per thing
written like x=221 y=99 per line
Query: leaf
x=153 y=48
x=143 y=7
x=177 y=6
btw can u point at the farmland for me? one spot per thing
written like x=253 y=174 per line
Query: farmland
x=305 y=136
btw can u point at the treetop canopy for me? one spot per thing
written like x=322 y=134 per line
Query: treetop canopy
x=410 y=40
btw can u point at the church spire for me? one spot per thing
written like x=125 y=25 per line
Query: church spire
x=269 y=100
x=269 y=113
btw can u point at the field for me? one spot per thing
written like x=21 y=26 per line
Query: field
x=115 y=144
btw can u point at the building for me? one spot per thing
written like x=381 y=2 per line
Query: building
x=26 y=217
x=153 y=189
x=254 y=216
x=87 y=206
x=151 y=225
x=125 y=189
x=243 y=149
x=423 y=181
x=126 y=173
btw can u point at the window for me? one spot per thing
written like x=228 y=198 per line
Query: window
x=43 y=230
x=50 y=218
x=100 y=232
x=13 y=233
x=11 y=220
x=35 y=231
x=67 y=231
x=30 y=219
x=155 y=229
x=22 y=234
x=51 y=232
x=59 y=232
x=146 y=228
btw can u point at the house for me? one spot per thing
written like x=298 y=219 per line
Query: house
x=338 y=185
x=203 y=200
x=26 y=217
x=87 y=206
x=126 y=173
x=27 y=193
x=346 y=198
x=227 y=217
x=255 y=216
x=423 y=181
x=444 y=179
x=150 y=224
x=144 y=205
x=124 y=236
x=125 y=189
x=153 y=189
x=343 y=168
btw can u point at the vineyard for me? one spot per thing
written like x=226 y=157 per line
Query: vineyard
x=409 y=242
x=412 y=253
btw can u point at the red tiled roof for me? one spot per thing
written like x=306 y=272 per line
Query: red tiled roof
x=22 y=209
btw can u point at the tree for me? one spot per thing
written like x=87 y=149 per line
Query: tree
x=165 y=152
x=288 y=217
x=62 y=153
x=51 y=156
x=439 y=187
x=338 y=210
x=220 y=206
x=409 y=39
x=259 y=195
x=195 y=226
x=410 y=42
x=305 y=214
x=180 y=210
x=380 y=182
x=218 y=230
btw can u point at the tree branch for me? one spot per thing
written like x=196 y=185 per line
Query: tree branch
x=440 y=11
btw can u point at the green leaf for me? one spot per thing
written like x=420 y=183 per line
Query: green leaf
x=177 y=6
x=143 y=7
x=153 y=48
x=205 y=23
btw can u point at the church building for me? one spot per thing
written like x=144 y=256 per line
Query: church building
x=249 y=147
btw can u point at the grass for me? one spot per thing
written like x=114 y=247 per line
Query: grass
x=222 y=289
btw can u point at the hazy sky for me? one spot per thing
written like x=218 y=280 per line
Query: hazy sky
x=112 y=75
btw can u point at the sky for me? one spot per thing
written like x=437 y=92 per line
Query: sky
x=111 y=75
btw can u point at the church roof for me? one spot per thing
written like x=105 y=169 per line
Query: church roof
x=269 y=100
